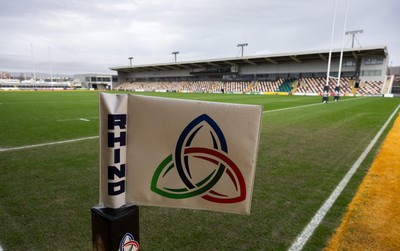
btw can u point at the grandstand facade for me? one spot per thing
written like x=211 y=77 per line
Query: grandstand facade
x=363 y=72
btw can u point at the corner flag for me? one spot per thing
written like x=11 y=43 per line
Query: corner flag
x=177 y=153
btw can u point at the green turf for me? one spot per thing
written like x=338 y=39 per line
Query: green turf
x=39 y=117
x=46 y=193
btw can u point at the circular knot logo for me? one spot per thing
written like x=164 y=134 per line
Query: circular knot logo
x=200 y=166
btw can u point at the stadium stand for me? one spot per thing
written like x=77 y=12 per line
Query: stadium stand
x=298 y=73
x=303 y=86
x=370 y=88
x=316 y=85
x=285 y=86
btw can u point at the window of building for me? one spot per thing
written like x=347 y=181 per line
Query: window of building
x=373 y=61
x=348 y=63
x=371 y=73
x=348 y=74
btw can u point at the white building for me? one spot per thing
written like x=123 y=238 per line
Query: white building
x=96 y=81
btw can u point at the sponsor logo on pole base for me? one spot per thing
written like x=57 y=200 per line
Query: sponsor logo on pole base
x=128 y=243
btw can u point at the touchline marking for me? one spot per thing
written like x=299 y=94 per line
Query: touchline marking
x=316 y=220
x=290 y=108
x=301 y=106
x=81 y=119
x=46 y=144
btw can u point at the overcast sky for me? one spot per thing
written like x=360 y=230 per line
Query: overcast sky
x=90 y=36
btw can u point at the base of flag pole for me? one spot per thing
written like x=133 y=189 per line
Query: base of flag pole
x=115 y=229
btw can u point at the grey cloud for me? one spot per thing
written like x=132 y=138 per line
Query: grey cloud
x=91 y=36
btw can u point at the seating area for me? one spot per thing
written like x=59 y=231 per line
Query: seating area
x=268 y=86
x=316 y=85
x=370 y=88
x=302 y=86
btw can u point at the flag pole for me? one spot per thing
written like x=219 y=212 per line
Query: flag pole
x=115 y=224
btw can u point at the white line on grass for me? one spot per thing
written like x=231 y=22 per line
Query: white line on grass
x=316 y=220
x=290 y=108
x=46 y=144
x=301 y=106
x=81 y=119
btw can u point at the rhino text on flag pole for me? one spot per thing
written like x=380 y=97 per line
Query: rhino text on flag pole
x=113 y=130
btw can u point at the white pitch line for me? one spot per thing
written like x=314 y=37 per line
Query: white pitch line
x=46 y=144
x=62 y=120
x=301 y=106
x=81 y=119
x=307 y=232
x=290 y=108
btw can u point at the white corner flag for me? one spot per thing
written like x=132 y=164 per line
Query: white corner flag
x=177 y=153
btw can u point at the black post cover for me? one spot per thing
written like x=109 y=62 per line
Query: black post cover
x=325 y=94
x=114 y=229
x=337 y=94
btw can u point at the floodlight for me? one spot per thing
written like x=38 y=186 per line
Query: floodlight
x=242 y=45
x=353 y=33
x=175 y=52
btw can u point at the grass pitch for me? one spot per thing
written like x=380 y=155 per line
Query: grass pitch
x=46 y=192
